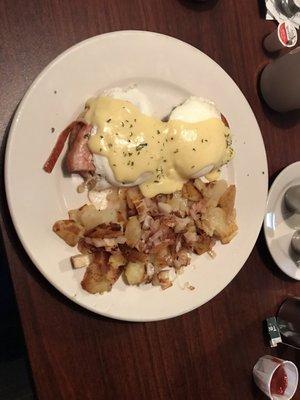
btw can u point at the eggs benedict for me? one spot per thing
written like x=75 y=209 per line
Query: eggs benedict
x=132 y=148
x=119 y=141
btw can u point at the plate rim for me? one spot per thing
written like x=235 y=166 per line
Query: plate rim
x=7 y=156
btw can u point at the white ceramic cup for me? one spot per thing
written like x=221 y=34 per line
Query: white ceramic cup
x=264 y=370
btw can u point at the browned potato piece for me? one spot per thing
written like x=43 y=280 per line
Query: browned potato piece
x=215 y=222
x=70 y=231
x=135 y=273
x=214 y=191
x=231 y=231
x=162 y=279
x=190 y=192
x=133 y=254
x=227 y=200
x=204 y=244
x=116 y=260
x=99 y=277
x=133 y=231
x=81 y=260
x=85 y=248
x=105 y=231
x=94 y=281
x=91 y=217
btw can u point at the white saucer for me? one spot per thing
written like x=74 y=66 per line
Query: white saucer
x=280 y=224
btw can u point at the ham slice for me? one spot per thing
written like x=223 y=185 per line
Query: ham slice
x=79 y=158
x=59 y=145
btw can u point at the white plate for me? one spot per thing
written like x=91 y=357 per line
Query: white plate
x=280 y=224
x=168 y=71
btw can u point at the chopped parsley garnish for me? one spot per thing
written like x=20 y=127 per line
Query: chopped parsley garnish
x=108 y=121
x=140 y=146
x=158 y=131
x=193 y=166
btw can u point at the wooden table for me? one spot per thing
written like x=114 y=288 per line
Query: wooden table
x=208 y=353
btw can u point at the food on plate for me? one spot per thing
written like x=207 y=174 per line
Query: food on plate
x=117 y=144
x=149 y=208
x=149 y=238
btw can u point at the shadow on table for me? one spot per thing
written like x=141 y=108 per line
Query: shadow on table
x=200 y=5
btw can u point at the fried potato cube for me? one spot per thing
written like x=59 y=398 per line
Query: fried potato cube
x=230 y=233
x=99 y=276
x=81 y=260
x=91 y=217
x=135 y=273
x=190 y=192
x=214 y=191
x=204 y=243
x=94 y=281
x=162 y=279
x=116 y=260
x=133 y=255
x=70 y=231
x=215 y=222
x=105 y=231
x=226 y=201
x=133 y=231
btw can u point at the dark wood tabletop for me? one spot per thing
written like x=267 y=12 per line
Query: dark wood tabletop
x=208 y=353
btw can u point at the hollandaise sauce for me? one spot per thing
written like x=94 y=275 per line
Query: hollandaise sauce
x=169 y=153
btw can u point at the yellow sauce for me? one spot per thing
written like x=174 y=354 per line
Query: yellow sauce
x=136 y=144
